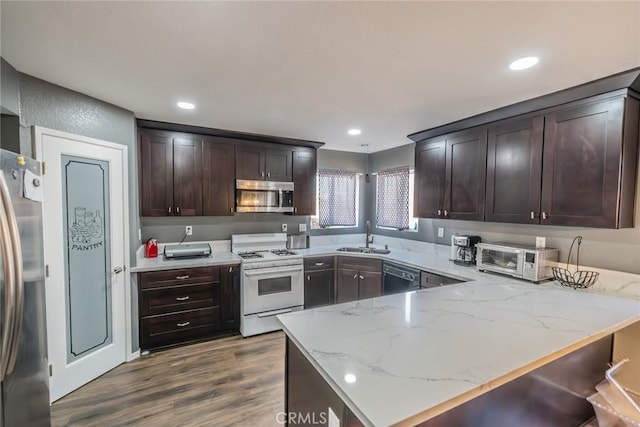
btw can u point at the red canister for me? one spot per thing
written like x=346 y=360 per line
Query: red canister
x=151 y=249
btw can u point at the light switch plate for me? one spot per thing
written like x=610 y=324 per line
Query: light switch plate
x=440 y=232
x=541 y=242
x=302 y=228
x=284 y=228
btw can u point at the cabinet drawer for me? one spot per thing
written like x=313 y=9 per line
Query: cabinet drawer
x=167 y=329
x=178 y=298
x=187 y=276
x=360 y=264
x=319 y=263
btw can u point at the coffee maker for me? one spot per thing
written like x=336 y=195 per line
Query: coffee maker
x=463 y=249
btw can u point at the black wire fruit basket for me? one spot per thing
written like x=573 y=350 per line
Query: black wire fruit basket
x=581 y=279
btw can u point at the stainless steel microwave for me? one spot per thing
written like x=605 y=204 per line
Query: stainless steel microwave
x=523 y=262
x=263 y=196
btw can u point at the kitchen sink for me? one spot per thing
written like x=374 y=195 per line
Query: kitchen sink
x=365 y=250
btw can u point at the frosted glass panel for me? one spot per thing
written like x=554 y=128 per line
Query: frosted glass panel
x=85 y=196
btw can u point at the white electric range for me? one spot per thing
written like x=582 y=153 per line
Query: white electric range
x=272 y=280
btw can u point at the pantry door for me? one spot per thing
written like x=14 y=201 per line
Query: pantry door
x=86 y=250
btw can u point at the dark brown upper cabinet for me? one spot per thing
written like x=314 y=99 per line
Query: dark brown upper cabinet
x=589 y=164
x=514 y=171
x=171 y=174
x=218 y=177
x=304 y=181
x=465 y=173
x=267 y=162
x=429 y=176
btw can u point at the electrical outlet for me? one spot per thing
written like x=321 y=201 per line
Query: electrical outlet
x=188 y=230
x=284 y=228
x=541 y=242
x=302 y=228
x=440 y=232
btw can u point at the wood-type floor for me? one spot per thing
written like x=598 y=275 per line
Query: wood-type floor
x=227 y=382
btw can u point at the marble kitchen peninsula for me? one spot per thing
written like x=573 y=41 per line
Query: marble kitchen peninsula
x=406 y=358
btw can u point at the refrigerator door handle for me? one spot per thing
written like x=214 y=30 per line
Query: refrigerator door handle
x=8 y=268
x=18 y=282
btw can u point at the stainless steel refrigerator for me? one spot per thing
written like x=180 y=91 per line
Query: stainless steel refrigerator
x=24 y=387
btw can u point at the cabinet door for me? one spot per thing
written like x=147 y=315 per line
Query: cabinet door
x=370 y=285
x=230 y=297
x=218 y=177
x=466 y=165
x=347 y=289
x=429 y=175
x=318 y=288
x=278 y=164
x=156 y=174
x=514 y=171
x=582 y=154
x=250 y=162
x=304 y=182
x=187 y=176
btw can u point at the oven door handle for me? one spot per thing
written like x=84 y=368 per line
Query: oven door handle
x=280 y=198
x=265 y=271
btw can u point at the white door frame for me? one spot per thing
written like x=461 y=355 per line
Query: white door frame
x=38 y=133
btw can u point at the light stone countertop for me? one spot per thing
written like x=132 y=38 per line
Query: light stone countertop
x=419 y=354
x=220 y=255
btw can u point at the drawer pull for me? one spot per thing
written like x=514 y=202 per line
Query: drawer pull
x=182 y=298
x=186 y=276
x=319 y=263
x=183 y=324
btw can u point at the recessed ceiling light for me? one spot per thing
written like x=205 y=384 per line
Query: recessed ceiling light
x=354 y=131
x=350 y=378
x=523 y=63
x=186 y=105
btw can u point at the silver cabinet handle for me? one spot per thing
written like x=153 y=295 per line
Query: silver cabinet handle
x=295 y=210
x=446 y=213
x=361 y=277
x=178 y=209
x=308 y=277
x=169 y=209
x=545 y=215
x=183 y=324
x=262 y=174
x=118 y=270
x=185 y=298
x=8 y=307
x=319 y=263
x=17 y=271
x=230 y=269
x=186 y=276
x=355 y=276
x=268 y=174
x=439 y=212
x=533 y=215
x=231 y=210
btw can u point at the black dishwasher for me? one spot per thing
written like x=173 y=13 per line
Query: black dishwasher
x=398 y=278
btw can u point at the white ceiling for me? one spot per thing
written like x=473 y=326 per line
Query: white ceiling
x=311 y=70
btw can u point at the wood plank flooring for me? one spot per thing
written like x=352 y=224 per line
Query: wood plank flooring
x=228 y=382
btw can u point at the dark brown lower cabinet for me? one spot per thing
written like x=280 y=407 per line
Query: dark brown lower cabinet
x=370 y=284
x=230 y=297
x=318 y=288
x=186 y=305
x=347 y=289
x=308 y=397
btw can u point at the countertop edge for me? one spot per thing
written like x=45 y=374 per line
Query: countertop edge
x=352 y=406
x=472 y=394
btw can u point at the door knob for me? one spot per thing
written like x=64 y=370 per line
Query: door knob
x=118 y=270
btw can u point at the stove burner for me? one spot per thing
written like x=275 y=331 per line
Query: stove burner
x=249 y=255
x=282 y=252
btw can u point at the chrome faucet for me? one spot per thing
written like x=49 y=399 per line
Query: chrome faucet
x=368 y=233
